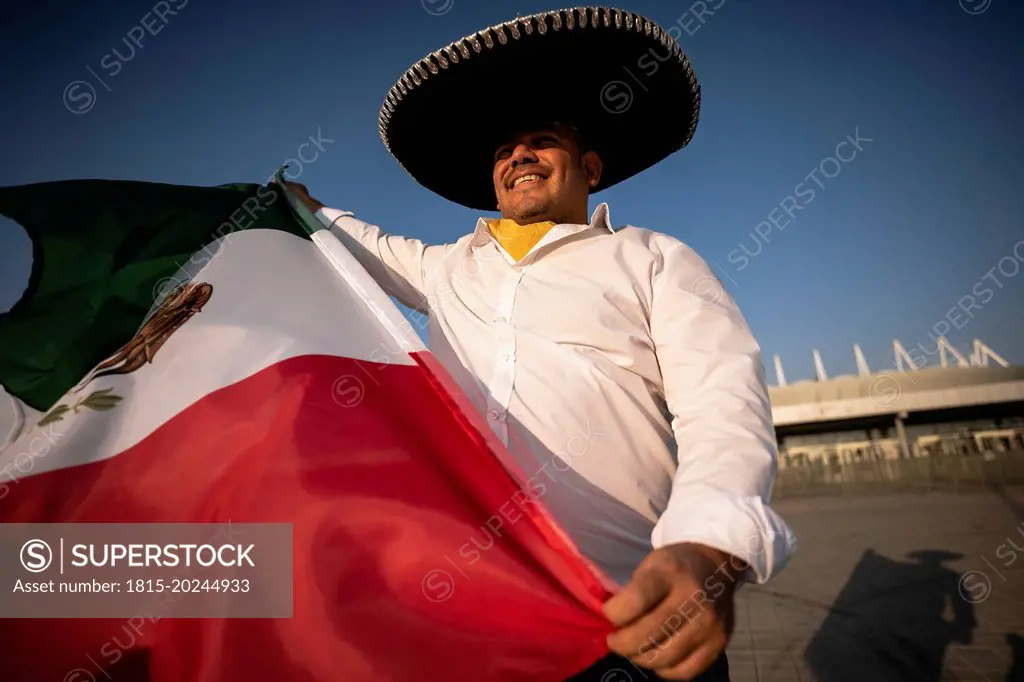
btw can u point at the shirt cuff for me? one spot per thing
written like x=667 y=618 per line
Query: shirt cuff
x=742 y=526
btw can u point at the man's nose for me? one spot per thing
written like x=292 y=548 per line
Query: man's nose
x=523 y=154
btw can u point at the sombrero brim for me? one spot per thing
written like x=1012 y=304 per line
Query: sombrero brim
x=618 y=77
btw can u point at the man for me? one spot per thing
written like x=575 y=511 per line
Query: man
x=621 y=376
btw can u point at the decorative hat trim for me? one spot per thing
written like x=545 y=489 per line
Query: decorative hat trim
x=571 y=19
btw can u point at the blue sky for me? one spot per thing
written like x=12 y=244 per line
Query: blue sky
x=926 y=211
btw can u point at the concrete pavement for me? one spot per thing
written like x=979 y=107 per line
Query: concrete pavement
x=895 y=587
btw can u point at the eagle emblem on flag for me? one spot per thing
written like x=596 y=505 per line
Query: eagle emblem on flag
x=177 y=308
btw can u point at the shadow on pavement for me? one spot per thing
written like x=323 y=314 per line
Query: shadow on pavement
x=1016 y=672
x=891 y=621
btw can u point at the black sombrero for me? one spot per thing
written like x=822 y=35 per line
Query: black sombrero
x=618 y=77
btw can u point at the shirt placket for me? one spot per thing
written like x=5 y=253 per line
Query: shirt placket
x=503 y=374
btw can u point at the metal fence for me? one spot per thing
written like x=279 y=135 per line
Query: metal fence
x=923 y=474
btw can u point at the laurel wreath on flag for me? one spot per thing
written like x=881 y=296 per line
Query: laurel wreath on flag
x=101 y=401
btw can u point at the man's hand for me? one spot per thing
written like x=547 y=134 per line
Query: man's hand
x=676 y=614
x=302 y=193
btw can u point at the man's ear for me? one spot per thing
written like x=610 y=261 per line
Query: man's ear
x=592 y=167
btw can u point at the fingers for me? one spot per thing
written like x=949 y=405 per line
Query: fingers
x=641 y=595
x=302 y=192
x=665 y=621
x=653 y=629
x=296 y=188
x=692 y=665
x=684 y=654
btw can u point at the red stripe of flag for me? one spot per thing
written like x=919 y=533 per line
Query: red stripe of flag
x=383 y=492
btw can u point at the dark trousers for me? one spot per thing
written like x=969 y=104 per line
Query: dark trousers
x=614 y=668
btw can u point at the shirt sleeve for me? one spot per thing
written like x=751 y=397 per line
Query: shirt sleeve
x=716 y=392
x=397 y=264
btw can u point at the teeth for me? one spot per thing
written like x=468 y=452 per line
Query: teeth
x=525 y=178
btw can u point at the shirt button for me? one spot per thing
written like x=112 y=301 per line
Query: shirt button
x=508 y=357
x=493 y=415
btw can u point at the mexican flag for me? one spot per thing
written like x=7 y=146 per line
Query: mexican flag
x=210 y=354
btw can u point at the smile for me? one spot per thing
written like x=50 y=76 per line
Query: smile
x=528 y=179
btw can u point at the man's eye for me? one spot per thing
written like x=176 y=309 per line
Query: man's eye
x=503 y=154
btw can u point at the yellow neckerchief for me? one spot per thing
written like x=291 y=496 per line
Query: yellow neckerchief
x=518 y=239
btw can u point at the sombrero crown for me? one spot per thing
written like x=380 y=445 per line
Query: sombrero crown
x=618 y=77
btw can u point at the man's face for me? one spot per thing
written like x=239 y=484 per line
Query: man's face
x=541 y=175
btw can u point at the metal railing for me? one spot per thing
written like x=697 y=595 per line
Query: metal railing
x=954 y=474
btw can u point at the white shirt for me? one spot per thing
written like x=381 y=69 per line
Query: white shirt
x=617 y=371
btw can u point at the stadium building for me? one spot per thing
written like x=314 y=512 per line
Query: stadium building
x=971 y=407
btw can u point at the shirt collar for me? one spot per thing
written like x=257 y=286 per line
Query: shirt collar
x=600 y=219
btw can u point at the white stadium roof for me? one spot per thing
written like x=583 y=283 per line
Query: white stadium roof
x=903 y=389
